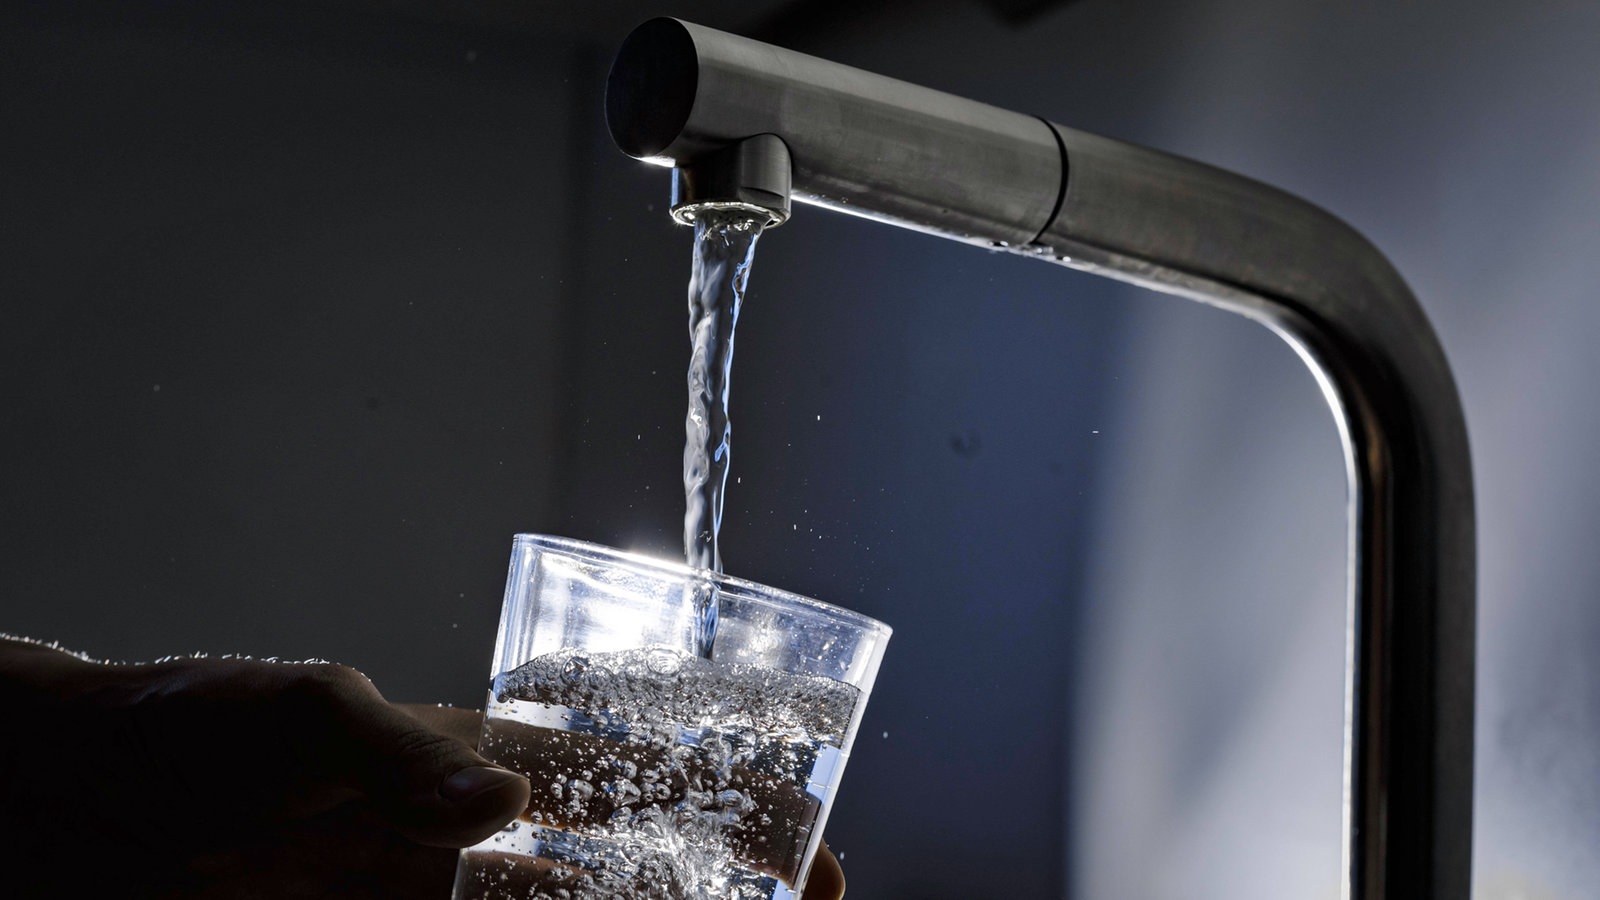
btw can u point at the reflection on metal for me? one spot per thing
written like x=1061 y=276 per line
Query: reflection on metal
x=902 y=154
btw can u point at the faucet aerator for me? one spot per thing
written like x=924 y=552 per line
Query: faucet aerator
x=754 y=175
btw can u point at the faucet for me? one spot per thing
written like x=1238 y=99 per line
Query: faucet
x=750 y=125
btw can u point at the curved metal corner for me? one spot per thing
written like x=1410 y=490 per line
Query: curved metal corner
x=1185 y=228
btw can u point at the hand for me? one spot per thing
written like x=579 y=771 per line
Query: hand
x=229 y=778
x=200 y=778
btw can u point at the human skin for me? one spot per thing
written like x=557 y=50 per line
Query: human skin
x=241 y=779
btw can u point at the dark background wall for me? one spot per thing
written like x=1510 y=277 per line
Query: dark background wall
x=306 y=308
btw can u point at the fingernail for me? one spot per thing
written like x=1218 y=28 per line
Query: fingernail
x=475 y=781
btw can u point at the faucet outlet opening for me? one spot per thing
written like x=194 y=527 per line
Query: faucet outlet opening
x=753 y=174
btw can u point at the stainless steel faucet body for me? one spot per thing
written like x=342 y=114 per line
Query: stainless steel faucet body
x=687 y=96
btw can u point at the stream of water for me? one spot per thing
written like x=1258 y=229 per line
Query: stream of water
x=724 y=247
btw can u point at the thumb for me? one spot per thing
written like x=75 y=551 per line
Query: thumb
x=429 y=786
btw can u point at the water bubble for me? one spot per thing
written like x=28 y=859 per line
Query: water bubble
x=623 y=793
x=574 y=668
x=663 y=662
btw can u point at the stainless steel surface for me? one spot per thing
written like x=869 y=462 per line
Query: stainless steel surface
x=861 y=143
x=913 y=157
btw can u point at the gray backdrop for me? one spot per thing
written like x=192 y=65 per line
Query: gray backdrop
x=305 y=309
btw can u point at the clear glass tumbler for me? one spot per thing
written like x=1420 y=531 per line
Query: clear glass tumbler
x=658 y=773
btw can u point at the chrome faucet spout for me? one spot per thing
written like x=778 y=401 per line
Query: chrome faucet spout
x=860 y=143
x=681 y=95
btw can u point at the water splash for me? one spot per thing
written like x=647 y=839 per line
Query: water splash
x=724 y=247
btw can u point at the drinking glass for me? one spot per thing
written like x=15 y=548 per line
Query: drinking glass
x=658 y=771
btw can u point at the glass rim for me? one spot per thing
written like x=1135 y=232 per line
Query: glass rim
x=741 y=587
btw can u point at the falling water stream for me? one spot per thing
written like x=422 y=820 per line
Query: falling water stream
x=724 y=247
